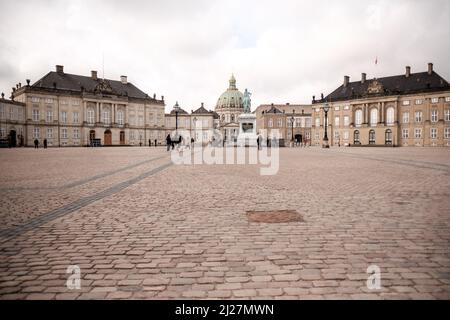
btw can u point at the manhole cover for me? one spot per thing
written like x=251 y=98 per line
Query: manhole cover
x=277 y=216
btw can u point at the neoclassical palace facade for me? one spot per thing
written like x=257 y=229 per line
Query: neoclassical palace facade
x=412 y=109
x=75 y=110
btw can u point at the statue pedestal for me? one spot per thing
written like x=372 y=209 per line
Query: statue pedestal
x=247 y=130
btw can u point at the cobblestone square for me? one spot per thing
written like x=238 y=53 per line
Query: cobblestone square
x=139 y=227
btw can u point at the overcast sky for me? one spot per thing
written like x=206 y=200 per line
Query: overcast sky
x=282 y=51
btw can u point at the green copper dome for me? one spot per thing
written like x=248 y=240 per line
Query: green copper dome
x=232 y=98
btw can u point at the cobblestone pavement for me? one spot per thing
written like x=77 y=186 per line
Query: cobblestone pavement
x=139 y=227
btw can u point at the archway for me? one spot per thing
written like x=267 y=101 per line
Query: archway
x=122 y=137
x=107 y=138
x=13 y=138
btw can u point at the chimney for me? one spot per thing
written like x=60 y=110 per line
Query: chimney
x=363 y=77
x=346 y=81
x=123 y=79
x=162 y=98
x=430 y=68
x=408 y=71
x=60 y=69
x=202 y=104
x=94 y=74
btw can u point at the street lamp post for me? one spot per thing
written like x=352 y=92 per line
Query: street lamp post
x=292 y=129
x=176 y=107
x=326 y=108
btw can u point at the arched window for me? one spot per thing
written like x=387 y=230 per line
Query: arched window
x=358 y=117
x=232 y=118
x=90 y=116
x=388 y=136
x=223 y=117
x=372 y=137
x=373 y=117
x=390 y=118
x=106 y=119
x=120 y=117
x=356 y=137
x=270 y=123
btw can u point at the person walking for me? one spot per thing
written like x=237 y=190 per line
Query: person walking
x=156 y=144
x=258 y=140
x=45 y=143
x=149 y=142
x=36 y=143
x=168 y=142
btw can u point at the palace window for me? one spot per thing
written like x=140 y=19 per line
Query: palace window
x=447 y=114
x=280 y=123
x=388 y=136
x=336 y=108
x=433 y=133
x=131 y=135
x=298 y=123
x=141 y=121
x=106 y=118
x=345 y=135
x=406 y=103
x=418 y=116
x=120 y=117
x=63 y=102
x=447 y=99
x=75 y=117
x=356 y=137
x=434 y=115
x=35 y=99
x=419 y=101
x=36 y=133
x=434 y=100
x=49 y=115
x=317 y=122
x=75 y=102
x=49 y=133
x=405 y=117
x=308 y=122
x=346 y=121
x=336 y=121
x=64 y=117
x=2 y=112
x=76 y=133
x=90 y=116
x=372 y=137
x=447 y=133
x=35 y=115
x=63 y=133
x=390 y=117
x=358 y=117
x=317 y=136
x=49 y=100
x=336 y=135
x=347 y=107
x=418 y=133
x=405 y=133
x=373 y=117
x=270 y=123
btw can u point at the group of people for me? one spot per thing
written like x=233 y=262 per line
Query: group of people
x=36 y=143
x=171 y=142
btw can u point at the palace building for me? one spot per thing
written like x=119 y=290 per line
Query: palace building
x=12 y=122
x=412 y=109
x=75 y=110
x=292 y=122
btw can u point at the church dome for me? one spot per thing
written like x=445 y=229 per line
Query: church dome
x=232 y=98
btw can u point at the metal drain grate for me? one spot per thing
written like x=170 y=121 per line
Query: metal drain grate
x=274 y=216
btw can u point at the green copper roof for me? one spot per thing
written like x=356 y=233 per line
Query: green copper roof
x=232 y=98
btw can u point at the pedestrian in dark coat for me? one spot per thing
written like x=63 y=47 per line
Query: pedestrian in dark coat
x=168 y=142
x=36 y=143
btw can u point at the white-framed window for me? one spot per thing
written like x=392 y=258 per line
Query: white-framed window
x=308 y=122
x=141 y=121
x=447 y=114
x=434 y=100
x=64 y=117
x=49 y=133
x=317 y=122
x=317 y=136
x=347 y=107
x=419 y=101
x=433 y=133
x=358 y=117
x=205 y=135
x=12 y=113
x=346 y=121
x=35 y=114
x=2 y=132
x=187 y=123
x=75 y=102
x=373 y=117
x=308 y=135
x=417 y=133
x=406 y=103
x=90 y=116
x=63 y=102
x=280 y=123
x=2 y=112
x=120 y=117
x=337 y=120
x=106 y=118
x=49 y=115
x=21 y=114
x=76 y=117
x=76 y=133
x=336 y=135
x=405 y=133
x=131 y=135
x=345 y=135
x=390 y=116
x=447 y=99
x=64 y=133
x=35 y=99
x=337 y=108
x=36 y=133
x=434 y=115
x=405 y=117
x=49 y=100
x=447 y=133
x=418 y=116
x=270 y=123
